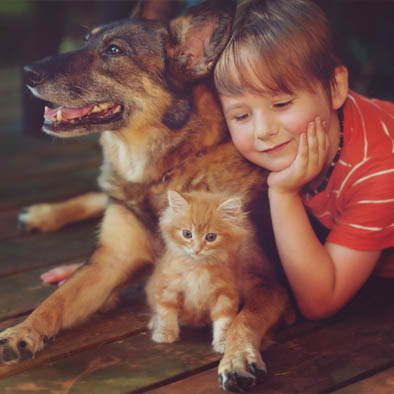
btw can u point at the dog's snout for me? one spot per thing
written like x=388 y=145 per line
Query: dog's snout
x=33 y=76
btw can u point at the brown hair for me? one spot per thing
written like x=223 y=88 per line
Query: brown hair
x=277 y=46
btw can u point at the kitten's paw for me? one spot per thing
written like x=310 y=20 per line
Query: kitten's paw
x=240 y=370
x=152 y=323
x=39 y=217
x=165 y=335
x=219 y=344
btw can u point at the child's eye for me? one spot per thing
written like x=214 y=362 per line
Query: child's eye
x=187 y=234
x=210 y=237
x=241 y=117
x=283 y=104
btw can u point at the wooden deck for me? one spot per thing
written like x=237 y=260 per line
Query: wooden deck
x=113 y=353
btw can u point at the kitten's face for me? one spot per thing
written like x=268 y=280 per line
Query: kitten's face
x=198 y=241
x=201 y=228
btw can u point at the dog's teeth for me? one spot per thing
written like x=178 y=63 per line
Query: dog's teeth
x=104 y=105
x=59 y=116
x=96 y=108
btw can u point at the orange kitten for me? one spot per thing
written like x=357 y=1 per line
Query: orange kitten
x=198 y=279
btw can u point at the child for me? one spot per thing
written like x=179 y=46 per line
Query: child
x=330 y=151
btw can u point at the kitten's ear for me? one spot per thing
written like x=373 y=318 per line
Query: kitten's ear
x=176 y=201
x=231 y=208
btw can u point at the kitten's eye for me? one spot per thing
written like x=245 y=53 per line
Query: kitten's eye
x=187 y=234
x=210 y=237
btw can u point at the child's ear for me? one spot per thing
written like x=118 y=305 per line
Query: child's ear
x=340 y=89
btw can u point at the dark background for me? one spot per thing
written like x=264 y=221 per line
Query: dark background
x=32 y=29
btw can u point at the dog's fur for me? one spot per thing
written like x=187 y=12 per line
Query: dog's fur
x=170 y=134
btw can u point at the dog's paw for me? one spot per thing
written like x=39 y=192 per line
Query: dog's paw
x=20 y=343
x=39 y=217
x=165 y=335
x=239 y=371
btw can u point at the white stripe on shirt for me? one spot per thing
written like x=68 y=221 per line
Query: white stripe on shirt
x=373 y=175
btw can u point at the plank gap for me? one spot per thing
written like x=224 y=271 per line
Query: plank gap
x=178 y=377
x=361 y=376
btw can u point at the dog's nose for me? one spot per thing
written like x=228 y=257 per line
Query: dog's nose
x=33 y=77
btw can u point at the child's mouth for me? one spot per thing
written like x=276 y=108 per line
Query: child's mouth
x=276 y=147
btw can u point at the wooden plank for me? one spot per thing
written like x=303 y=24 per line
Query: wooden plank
x=382 y=382
x=39 y=250
x=131 y=365
x=22 y=293
x=12 y=144
x=19 y=145
x=54 y=187
x=358 y=341
x=127 y=320
x=8 y=224
x=120 y=367
x=26 y=157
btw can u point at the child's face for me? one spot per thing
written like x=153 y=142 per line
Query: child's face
x=266 y=128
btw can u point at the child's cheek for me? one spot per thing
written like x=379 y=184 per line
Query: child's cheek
x=241 y=140
x=297 y=123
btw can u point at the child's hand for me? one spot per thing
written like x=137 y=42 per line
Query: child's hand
x=311 y=156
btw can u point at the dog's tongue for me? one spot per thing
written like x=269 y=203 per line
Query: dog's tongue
x=66 y=112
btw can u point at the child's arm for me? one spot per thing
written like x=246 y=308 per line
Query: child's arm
x=323 y=277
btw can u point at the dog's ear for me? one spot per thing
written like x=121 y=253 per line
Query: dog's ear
x=162 y=10
x=197 y=38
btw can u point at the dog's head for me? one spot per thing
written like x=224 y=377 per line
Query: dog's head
x=130 y=69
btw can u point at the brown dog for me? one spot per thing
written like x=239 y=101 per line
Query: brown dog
x=143 y=85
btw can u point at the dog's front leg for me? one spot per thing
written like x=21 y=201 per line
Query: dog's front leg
x=265 y=305
x=124 y=247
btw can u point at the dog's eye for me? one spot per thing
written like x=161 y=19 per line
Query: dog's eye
x=113 y=50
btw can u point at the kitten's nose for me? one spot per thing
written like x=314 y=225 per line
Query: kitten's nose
x=197 y=250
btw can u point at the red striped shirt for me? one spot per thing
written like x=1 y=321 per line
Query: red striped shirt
x=358 y=203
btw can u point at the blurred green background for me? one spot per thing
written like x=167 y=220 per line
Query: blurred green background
x=32 y=29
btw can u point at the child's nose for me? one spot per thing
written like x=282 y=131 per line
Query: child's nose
x=264 y=125
x=264 y=129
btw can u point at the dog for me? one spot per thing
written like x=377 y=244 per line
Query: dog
x=146 y=87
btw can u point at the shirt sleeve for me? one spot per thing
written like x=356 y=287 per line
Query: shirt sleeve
x=365 y=218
